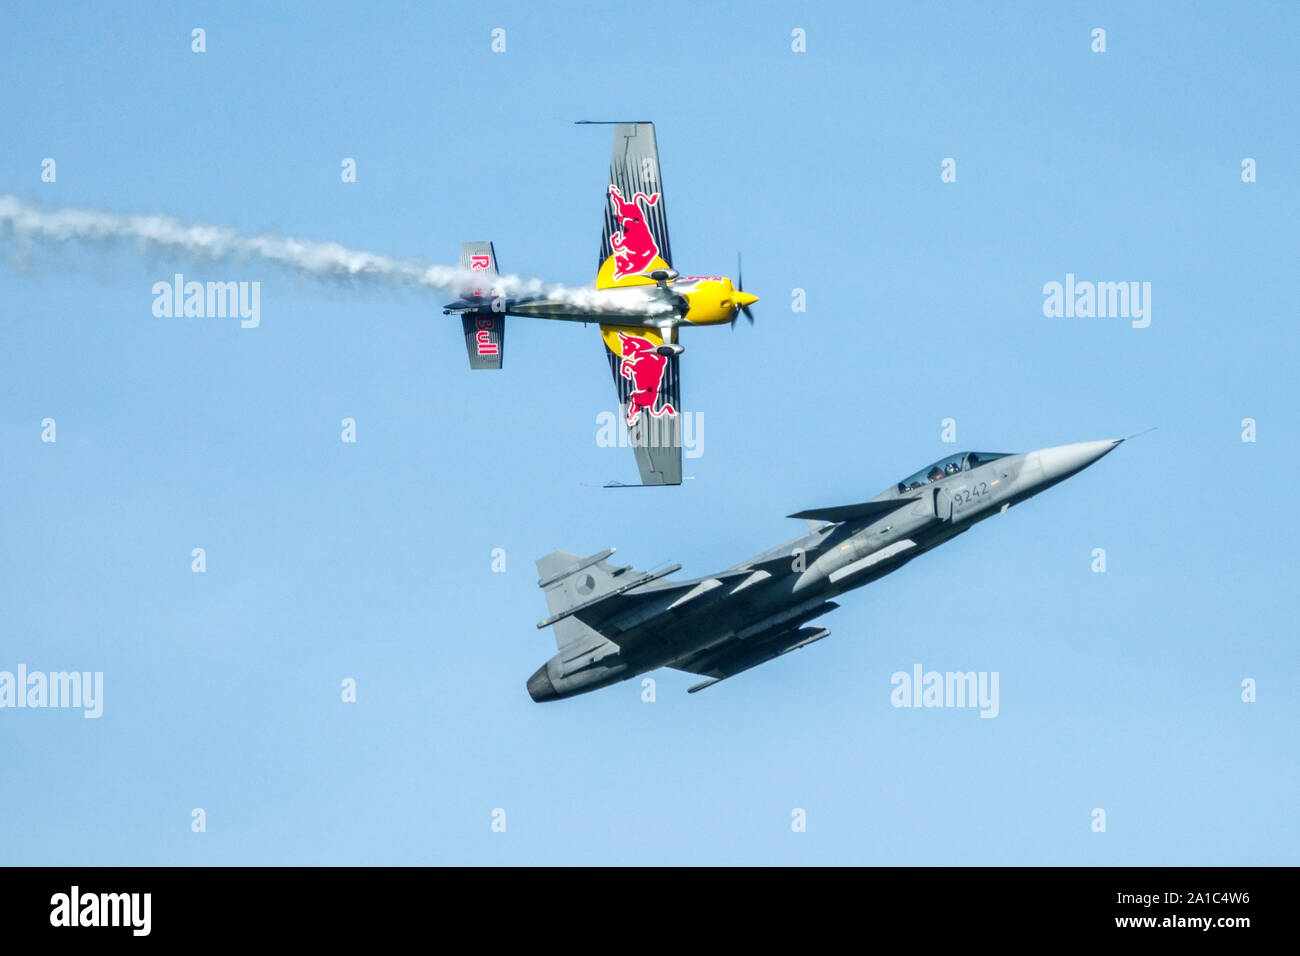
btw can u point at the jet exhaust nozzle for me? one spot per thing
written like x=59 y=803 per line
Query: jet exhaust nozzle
x=540 y=688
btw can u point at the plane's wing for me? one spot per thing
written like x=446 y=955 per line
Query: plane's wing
x=649 y=388
x=635 y=236
x=737 y=656
x=634 y=242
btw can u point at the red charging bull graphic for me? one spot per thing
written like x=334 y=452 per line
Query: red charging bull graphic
x=644 y=367
x=634 y=244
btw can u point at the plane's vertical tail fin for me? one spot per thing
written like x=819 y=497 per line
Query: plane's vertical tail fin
x=485 y=329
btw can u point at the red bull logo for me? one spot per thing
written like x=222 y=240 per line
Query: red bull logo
x=483 y=326
x=644 y=368
x=479 y=264
x=634 y=244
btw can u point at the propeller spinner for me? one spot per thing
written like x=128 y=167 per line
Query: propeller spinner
x=742 y=299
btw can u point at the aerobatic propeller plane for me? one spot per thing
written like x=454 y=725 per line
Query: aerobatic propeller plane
x=640 y=301
x=613 y=623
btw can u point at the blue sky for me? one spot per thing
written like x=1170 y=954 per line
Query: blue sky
x=372 y=560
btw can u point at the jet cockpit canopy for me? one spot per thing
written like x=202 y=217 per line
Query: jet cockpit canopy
x=946 y=467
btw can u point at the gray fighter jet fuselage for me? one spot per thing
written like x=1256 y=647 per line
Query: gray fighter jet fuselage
x=613 y=623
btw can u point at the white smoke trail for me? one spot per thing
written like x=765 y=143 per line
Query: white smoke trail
x=316 y=260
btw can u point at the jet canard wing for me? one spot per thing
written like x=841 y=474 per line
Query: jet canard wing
x=866 y=511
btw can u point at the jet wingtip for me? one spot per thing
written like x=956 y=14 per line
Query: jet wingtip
x=703 y=684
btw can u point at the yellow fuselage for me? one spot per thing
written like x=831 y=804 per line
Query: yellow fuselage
x=712 y=300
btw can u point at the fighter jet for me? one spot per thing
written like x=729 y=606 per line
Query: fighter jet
x=614 y=623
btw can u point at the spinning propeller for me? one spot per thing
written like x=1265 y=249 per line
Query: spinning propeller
x=742 y=299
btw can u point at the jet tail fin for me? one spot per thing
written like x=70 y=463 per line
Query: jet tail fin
x=485 y=329
x=569 y=580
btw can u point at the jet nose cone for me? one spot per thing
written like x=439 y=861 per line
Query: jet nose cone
x=540 y=688
x=1066 y=460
